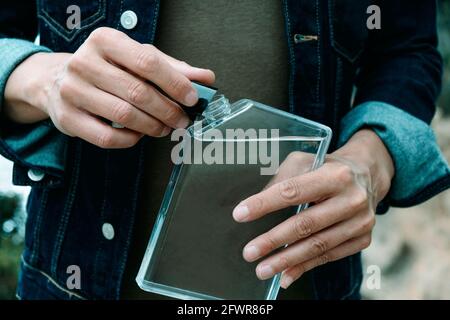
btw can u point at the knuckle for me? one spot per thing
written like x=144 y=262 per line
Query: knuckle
x=384 y=187
x=172 y=115
x=257 y=203
x=283 y=263
x=344 y=174
x=303 y=226
x=149 y=47
x=66 y=89
x=62 y=118
x=179 y=85
x=132 y=141
x=136 y=92
x=157 y=129
x=105 y=139
x=122 y=113
x=76 y=63
x=301 y=161
x=368 y=224
x=318 y=246
x=366 y=241
x=323 y=259
x=184 y=64
x=295 y=156
x=269 y=242
x=349 y=233
x=359 y=199
x=148 y=61
x=289 y=191
x=300 y=269
x=100 y=35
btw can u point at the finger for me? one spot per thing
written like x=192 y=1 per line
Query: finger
x=147 y=62
x=314 y=246
x=309 y=187
x=137 y=92
x=299 y=226
x=202 y=75
x=296 y=163
x=346 y=249
x=97 y=132
x=110 y=107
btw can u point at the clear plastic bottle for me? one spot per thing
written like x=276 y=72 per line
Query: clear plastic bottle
x=195 y=250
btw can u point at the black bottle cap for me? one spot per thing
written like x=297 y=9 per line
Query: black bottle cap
x=196 y=110
x=205 y=95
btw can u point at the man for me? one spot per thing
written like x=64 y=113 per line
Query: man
x=95 y=187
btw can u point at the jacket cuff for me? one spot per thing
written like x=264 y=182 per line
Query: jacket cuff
x=421 y=170
x=38 y=150
x=12 y=53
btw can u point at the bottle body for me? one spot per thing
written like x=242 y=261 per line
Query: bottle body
x=237 y=150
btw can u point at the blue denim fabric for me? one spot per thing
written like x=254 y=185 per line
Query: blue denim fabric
x=85 y=186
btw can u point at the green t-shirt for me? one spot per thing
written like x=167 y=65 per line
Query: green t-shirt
x=244 y=43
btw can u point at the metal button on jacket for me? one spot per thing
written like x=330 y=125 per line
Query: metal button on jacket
x=108 y=231
x=128 y=19
x=35 y=175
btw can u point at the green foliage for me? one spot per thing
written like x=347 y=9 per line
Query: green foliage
x=9 y=268
x=10 y=244
x=9 y=204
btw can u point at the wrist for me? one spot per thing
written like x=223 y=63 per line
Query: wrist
x=367 y=150
x=27 y=88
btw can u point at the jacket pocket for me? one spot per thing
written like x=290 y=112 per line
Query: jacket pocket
x=59 y=18
x=34 y=284
x=348 y=24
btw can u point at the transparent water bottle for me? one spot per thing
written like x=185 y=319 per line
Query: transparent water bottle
x=234 y=151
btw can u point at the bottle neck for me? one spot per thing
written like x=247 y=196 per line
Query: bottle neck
x=218 y=108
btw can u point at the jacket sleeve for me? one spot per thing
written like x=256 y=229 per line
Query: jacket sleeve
x=397 y=87
x=37 y=150
x=402 y=65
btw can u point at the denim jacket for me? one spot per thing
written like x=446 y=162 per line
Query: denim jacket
x=78 y=188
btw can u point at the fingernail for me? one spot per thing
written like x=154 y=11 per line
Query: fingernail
x=182 y=123
x=191 y=98
x=251 y=253
x=265 y=272
x=214 y=75
x=240 y=213
x=286 y=281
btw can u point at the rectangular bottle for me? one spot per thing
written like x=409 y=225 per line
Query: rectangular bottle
x=235 y=151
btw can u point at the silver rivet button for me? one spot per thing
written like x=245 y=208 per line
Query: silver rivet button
x=35 y=175
x=128 y=19
x=108 y=231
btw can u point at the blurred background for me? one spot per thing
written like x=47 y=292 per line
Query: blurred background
x=410 y=246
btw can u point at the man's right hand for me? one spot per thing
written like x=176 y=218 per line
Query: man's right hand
x=110 y=76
